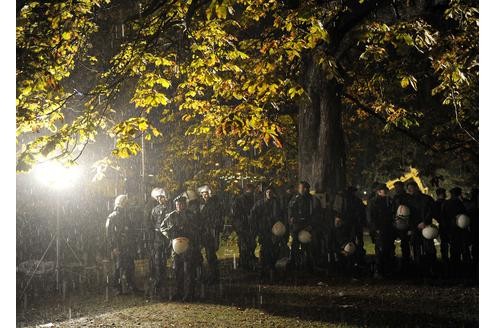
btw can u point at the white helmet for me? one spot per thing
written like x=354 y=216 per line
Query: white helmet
x=121 y=201
x=462 y=221
x=401 y=223
x=403 y=211
x=204 y=188
x=156 y=192
x=349 y=248
x=304 y=236
x=180 y=244
x=430 y=232
x=279 y=229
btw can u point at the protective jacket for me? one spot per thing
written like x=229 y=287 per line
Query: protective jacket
x=211 y=215
x=380 y=214
x=450 y=209
x=240 y=210
x=421 y=207
x=119 y=230
x=157 y=216
x=181 y=224
x=265 y=213
x=305 y=210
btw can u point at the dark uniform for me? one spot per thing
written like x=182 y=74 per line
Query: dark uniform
x=473 y=211
x=380 y=222
x=424 y=252
x=120 y=237
x=285 y=200
x=353 y=215
x=184 y=224
x=211 y=217
x=160 y=248
x=350 y=213
x=264 y=215
x=246 y=239
x=304 y=212
x=402 y=198
x=460 y=256
x=443 y=228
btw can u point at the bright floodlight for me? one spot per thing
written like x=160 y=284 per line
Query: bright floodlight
x=57 y=176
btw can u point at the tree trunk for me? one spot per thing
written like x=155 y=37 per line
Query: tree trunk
x=321 y=138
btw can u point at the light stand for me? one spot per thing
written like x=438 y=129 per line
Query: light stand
x=57 y=245
x=56 y=176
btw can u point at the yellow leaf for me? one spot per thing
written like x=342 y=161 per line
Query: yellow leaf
x=163 y=82
x=142 y=126
x=221 y=11
x=66 y=35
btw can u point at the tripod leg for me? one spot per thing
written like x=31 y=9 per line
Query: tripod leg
x=73 y=252
x=37 y=266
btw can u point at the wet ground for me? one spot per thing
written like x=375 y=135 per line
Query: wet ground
x=299 y=301
x=324 y=299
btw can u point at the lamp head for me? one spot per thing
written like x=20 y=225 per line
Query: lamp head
x=55 y=175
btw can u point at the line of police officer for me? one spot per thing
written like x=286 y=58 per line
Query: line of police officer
x=319 y=238
x=408 y=216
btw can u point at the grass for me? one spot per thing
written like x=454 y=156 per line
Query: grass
x=295 y=300
x=228 y=247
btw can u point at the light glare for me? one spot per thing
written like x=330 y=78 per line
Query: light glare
x=57 y=176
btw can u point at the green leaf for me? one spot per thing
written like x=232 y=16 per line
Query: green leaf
x=408 y=40
x=457 y=75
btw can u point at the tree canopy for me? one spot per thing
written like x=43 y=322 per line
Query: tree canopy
x=220 y=84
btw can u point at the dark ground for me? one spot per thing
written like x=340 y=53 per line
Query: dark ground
x=299 y=301
x=296 y=300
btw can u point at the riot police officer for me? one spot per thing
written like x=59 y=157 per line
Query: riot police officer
x=421 y=206
x=459 y=238
x=211 y=217
x=349 y=218
x=120 y=239
x=401 y=198
x=444 y=226
x=159 y=244
x=380 y=221
x=245 y=235
x=183 y=229
x=286 y=198
x=304 y=211
x=472 y=208
x=264 y=214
